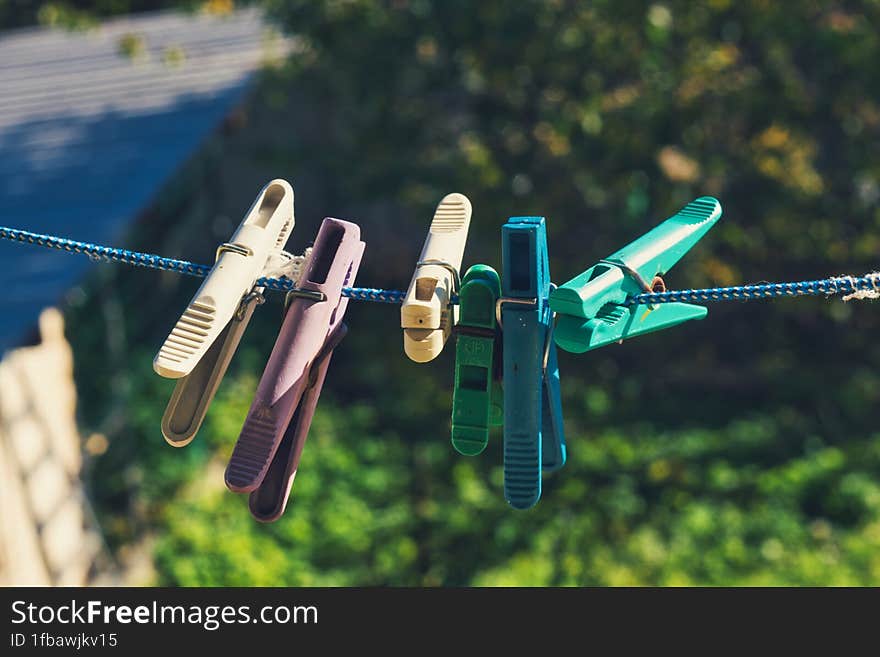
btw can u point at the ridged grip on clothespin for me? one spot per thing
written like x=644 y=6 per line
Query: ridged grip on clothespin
x=427 y=315
x=590 y=306
x=240 y=262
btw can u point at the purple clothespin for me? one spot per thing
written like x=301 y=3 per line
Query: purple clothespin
x=266 y=456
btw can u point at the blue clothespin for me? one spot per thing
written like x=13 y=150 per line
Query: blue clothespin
x=534 y=438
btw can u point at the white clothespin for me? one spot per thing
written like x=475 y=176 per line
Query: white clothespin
x=427 y=315
x=201 y=344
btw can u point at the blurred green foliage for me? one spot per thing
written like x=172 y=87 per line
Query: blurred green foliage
x=742 y=449
x=82 y=14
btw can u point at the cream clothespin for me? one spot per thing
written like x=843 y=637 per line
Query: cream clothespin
x=201 y=345
x=427 y=315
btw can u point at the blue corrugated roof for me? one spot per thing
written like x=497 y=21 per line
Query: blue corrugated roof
x=88 y=135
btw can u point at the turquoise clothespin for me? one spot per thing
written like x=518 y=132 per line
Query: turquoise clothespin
x=589 y=306
x=477 y=399
x=534 y=437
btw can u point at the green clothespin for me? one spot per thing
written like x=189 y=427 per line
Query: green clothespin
x=589 y=306
x=477 y=399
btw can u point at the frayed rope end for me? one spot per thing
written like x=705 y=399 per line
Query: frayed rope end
x=861 y=295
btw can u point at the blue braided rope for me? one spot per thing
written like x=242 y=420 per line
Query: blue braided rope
x=837 y=285
x=841 y=285
x=110 y=254
x=105 y=253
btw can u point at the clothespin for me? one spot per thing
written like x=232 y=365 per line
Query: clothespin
x=427 y=314
x=200 y=347
x=534 y=438
x=590 y=306
x=266 y=457
x=477 y=398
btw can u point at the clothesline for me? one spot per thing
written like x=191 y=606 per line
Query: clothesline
x=865 y=286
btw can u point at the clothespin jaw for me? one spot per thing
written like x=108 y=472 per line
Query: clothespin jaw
x=532 y=408
x=590 y=306
x=194 y=393
x=477 y=398
x=288 y=390
x=427 y=314
x=201 y=345
x=553 y=450
x=268 y=502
